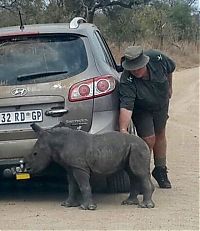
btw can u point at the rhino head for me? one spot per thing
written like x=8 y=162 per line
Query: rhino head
x=40 y=157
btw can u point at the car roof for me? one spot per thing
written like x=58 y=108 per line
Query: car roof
x=82 y=28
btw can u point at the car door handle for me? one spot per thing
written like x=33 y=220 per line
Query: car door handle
x=56 y=112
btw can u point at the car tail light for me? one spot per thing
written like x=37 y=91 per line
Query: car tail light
x=84 y=90
x=92 y=88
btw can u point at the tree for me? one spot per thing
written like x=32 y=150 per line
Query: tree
x=181 y=18
x=91 y=6
x=31 y=10
x=7 y=4
x=119 y=26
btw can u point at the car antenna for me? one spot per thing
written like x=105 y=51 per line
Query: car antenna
x=21 y=22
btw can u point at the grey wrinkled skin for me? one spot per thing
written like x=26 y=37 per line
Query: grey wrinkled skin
x=81 y=153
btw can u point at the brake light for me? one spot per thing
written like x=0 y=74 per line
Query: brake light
x=103 y=85
x=84 y=90
x=92 y=88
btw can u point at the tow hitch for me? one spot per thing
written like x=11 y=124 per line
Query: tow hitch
x=19 y=172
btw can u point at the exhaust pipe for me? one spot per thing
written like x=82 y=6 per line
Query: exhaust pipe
x=8 y=173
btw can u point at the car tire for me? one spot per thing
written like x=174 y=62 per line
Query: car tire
x=118 y=182
x=98 y=183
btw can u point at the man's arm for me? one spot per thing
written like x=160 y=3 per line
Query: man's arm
x=170 y=66
x=170 y=85
x=124 y=120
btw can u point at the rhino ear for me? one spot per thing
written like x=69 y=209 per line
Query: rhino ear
x=37 y=128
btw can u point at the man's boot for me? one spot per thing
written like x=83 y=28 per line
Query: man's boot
x=160 y=174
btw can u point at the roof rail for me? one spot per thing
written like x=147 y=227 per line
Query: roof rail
x=75 y=22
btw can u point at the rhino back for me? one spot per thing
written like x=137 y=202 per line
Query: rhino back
x=108 y=153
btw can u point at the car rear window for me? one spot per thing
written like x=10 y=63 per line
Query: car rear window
x=44 y=58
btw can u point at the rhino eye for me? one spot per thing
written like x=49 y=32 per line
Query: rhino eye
x=35 y=153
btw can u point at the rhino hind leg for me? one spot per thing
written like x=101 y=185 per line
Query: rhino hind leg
x=134 y=190
x=139 y=166
x=140 y=185
x=148 y=189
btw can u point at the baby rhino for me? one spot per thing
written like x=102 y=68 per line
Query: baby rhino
x=81 y=154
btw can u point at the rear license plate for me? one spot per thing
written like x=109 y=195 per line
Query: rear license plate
x=22 y=176
x=21 y=117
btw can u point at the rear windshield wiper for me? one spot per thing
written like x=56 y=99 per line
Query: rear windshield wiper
x=38 y=75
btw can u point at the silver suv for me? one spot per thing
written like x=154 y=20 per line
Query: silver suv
x=54 y=73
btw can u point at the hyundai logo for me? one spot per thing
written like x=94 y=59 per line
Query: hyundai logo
x=19 y=91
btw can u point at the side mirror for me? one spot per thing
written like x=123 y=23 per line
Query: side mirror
x=119 y=67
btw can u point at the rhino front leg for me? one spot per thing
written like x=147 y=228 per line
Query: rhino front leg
x=73 y=192
x=83 y=180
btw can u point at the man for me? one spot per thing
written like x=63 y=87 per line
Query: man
x=145 y=89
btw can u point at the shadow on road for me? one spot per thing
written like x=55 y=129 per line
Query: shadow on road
x=39 y=188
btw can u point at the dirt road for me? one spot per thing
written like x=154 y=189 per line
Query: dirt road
x=176 y=208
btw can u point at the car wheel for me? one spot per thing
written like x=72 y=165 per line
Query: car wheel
x=118 y=182
x=98 y=183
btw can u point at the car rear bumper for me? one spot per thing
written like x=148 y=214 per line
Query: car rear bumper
x=15 y=148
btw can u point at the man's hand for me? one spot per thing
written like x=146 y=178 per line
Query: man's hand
x=124 y=120
x=123 y=130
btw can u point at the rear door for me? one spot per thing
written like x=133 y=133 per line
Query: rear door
x=36 y=75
